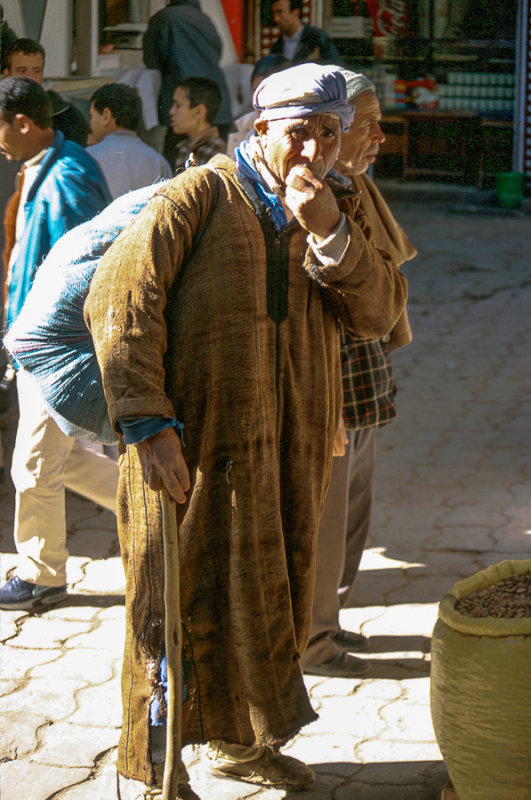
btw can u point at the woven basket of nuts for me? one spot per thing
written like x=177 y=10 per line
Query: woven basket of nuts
x=480 y=686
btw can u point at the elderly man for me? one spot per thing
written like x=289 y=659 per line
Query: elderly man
x=369 y=391
x=236 y=339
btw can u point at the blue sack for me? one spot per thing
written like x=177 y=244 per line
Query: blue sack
x=49 y=337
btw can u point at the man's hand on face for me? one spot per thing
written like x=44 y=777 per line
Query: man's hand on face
x=163 y=464
x=311 y=201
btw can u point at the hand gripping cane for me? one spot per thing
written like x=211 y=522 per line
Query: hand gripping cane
x=173 y=639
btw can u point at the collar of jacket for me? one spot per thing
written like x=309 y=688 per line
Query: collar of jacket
x=49 y=159
x=341 y=185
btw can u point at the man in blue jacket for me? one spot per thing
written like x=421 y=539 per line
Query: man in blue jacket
x=59 y=187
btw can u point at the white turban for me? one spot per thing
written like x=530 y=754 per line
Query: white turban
x=303 y=91
x=356 y=83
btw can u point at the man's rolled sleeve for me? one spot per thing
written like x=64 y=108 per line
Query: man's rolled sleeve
x=332 y=249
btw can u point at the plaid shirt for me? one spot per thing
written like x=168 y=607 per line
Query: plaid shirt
x=368 y=383
x=203 y=148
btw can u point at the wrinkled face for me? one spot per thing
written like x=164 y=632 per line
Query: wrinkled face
x=97 y=123
x=311 y=141
x=285 y=19
x=183 y=118
x=360 y=145
x=26 y=65
x=12 y=141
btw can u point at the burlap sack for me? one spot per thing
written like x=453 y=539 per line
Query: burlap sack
x=481 y=694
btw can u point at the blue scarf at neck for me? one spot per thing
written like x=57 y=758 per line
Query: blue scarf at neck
x=272 y=200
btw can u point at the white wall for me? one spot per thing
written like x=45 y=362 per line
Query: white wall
x=56 y=32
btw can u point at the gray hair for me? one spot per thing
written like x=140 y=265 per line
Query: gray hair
x=356 y=83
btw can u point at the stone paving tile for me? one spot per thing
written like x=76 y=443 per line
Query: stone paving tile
x=65 y=744
x=10 y=622
x=512 y=540
x=326 y=751
x=364 y=791
x=442 y=477
x=413 y=520
x=19 y=734
x=413 y=722
x=46 y=633
x=103 y=575
x=98 y=705
x=463 y=537
x=320 y=688
x=86 y=667
x=106 y=634
x=39 y=782
x=488 y=559
x=75 y=569
x=444 y=562
x=7 y=686
x=9 y=559
x=508 y=475
x=343 y=715
x=101 y=785
x=423 y=588
x=17 y=662
x=69 y=610
x=209 y=786
x=93 y=540
x=115 y=611
x=420 y=618
x=392 y=748
x=484 y=514
x=54 y=700
x=479 y=494
x=370 y=588
x=102 y=521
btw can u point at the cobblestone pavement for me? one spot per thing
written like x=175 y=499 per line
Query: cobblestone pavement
x=453 y=496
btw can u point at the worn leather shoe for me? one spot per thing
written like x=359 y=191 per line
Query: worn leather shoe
x=270 y=769
x=349 y=640
x=342 y=665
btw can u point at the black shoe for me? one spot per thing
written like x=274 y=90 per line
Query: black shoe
x=19 y=595
x=348 y=640
x=341 y=665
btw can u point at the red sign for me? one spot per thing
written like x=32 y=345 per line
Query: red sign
x=389 y=17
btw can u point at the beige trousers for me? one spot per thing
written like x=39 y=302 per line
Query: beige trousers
x=342 y=535
x=45 y=462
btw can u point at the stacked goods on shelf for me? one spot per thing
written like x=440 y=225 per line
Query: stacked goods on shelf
x=477 y=91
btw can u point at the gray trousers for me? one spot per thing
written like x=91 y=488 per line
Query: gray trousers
x=342 y=535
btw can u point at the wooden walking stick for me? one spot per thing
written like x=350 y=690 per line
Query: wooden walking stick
x=173 y=639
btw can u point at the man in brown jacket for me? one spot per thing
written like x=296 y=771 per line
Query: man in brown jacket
x=236 y=338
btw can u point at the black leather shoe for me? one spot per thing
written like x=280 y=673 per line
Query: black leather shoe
x=19 y=595
x=348 y=640
x=341 y=665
